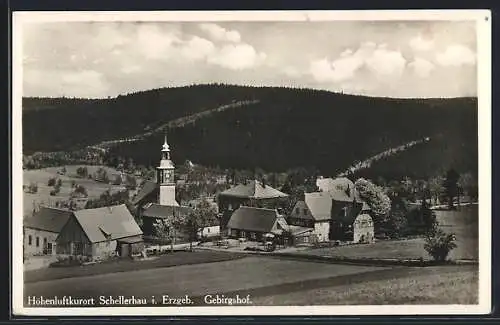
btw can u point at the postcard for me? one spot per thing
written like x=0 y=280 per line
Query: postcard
x=251 y=163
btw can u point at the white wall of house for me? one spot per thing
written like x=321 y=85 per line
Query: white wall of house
x=209 y=231
x=34 y=246
x=322 y=229
x=363 y=229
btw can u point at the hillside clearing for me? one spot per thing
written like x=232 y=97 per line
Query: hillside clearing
x=41 y=177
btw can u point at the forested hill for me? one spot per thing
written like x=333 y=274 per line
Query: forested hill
x=282 y=128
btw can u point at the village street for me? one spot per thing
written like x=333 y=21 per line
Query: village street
x=257 y=276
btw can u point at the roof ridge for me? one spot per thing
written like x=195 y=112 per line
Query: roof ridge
x=56 y=208
x=256 y=208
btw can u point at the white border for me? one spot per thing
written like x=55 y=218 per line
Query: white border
x=483 y=19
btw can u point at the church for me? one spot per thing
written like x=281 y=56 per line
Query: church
x=156 y=200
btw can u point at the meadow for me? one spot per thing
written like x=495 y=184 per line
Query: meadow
x=42 y=176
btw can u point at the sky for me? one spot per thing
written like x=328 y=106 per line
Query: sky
x=374 y=58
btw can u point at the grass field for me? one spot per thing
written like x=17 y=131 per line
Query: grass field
x=432 y=285
x=124 y=265
x=42 y=176
x=464 y=223
x=275 y=281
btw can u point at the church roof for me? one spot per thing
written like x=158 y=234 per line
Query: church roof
x=147 y=188
x=164 y=211
x=253 y=190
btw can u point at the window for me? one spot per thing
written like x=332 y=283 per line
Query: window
x=49 y=249
x=253 y=235
x=304 y=211
x=78 y=249
x=37 y=242
x=45 y=242
x=208 y=230
x=297 y=210
x=242 y=233
x=30 y=240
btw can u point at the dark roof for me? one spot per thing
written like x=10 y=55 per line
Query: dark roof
x=147 y=188
x=163 y=211
x=107 y=223
x=253 y=219
x=253 y=190
x=48 y=219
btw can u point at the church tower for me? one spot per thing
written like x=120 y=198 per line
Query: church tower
x=165 y=177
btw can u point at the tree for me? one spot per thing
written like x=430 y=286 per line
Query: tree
x=439 y=244
x=436 y=188
x=82 y=172
x=203 y=215
x=51 y=182
x=467 y=183
x=101 y=175
x=33 y=188
x=375 y=197
x=79 y=191
x=162 y=230
x=398 y=221
x=59 y=183
x=451 y=187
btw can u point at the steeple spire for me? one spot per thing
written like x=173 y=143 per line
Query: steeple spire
x=165 y=149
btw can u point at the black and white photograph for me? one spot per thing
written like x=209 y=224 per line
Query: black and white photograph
x=251 y=163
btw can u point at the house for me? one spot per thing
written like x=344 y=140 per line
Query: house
x=335 y=213
x=100 y=233
x=252 y=223
x=253 y=193
x=41 y=230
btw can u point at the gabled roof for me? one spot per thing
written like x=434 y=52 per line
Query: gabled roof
x=253 y=190
x=147 y=188
x=107 y=223
x=48 y=219
x=340 y=189
x=319 y=204
x=164 y=211
x=253 y=219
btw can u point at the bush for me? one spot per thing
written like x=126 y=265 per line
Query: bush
x=439 y=244
x=51 y=182
x=82 y=172
x=33 y=188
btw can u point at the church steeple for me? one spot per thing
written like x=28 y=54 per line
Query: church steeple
x=166 y=177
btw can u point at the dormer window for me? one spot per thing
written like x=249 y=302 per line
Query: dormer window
x=106 y=233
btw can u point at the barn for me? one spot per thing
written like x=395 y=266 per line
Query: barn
x=100 y=233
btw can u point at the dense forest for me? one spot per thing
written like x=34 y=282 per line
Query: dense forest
x=283 y=128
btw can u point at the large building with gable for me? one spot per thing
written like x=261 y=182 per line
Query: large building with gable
x=336 y=212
